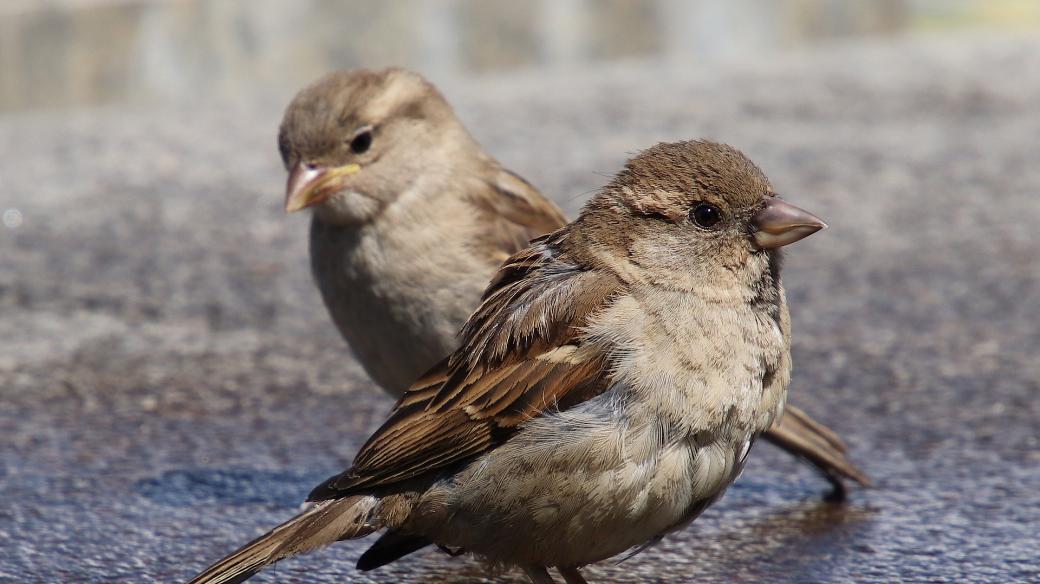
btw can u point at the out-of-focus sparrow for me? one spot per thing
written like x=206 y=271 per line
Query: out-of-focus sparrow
x=412 y=218
x=607 y=390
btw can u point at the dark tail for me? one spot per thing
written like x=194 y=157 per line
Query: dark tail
x=324 y=523
x=803 y=436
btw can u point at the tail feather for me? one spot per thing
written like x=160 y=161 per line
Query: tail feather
x=389 y=547
x=803 y=436
x=324 y=523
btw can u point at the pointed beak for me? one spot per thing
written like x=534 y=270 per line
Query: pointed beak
x=311 y=185
x=780 y=223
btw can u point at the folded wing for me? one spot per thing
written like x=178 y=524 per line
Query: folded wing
x=522 y=354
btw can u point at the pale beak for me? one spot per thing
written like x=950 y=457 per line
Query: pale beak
x=311 y=185
x=781 y=223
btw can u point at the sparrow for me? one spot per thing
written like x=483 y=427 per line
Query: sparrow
x=606 y=391
x=411 y=219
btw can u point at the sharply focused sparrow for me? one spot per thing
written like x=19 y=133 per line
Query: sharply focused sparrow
x=412 y=218
x=606 y=391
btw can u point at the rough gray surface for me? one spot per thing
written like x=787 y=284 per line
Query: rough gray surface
x=171 y=386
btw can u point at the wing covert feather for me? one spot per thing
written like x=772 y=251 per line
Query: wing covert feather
x=522 y=355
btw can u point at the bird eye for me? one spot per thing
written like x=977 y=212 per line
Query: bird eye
x=706 y=215
x=361 y=142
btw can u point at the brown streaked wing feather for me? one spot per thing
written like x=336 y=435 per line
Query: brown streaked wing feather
x=514 y=211
x=511 y=367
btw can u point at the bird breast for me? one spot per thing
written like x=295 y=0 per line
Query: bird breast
x=395 y=294
x=700 y=362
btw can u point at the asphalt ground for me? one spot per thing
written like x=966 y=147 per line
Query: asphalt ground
x=171 y=386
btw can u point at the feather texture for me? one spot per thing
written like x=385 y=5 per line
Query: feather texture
x=521 y=356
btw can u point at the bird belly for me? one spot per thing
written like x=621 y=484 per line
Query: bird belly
x=576 y=487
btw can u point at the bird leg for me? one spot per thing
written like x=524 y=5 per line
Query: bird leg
x=538 y=575
x=572 y=576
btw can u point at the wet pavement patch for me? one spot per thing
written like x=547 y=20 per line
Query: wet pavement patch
x=232 y=487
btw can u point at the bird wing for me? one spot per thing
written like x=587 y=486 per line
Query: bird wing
x=514 y=211
x=522 y=355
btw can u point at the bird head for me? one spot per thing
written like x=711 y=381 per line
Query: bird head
x=355 y=141
x=690 y=212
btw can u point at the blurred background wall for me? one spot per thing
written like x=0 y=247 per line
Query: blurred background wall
x=68 y=53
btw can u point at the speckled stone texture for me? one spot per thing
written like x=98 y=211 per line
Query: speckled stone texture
x=171 y=387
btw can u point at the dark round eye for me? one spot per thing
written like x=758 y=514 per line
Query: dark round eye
x=361 y=142
x=706 y=215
